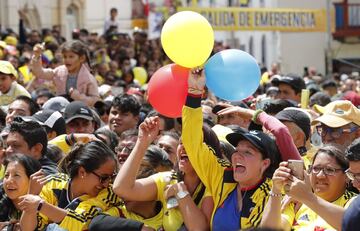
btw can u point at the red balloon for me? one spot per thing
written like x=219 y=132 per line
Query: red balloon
x=167 y=89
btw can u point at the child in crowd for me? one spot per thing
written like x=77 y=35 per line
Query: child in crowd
x=72 y=79
x=9 y=88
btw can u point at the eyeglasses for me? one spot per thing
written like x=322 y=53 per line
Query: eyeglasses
x=105 y=179
x=125 y=148
x=352 y=176
x=334 y=132
x=329 y=171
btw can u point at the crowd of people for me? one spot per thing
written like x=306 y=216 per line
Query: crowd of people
x=83 y=149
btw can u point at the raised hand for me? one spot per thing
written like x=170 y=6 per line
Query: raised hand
x=38 y=49
x=300 y=190
x=196 y=81
x=282 y=176
x=37 y=181
x=149 y=129
x=236 y=110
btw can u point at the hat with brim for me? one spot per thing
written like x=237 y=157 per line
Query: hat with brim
x=79 y=117
x=77 y=110
x=298 y=117
x=295 y=82
x=318 y=109
x=51 y=119
x=339 y=113
x=7 y=68
x=331 y=121
x=256 y=138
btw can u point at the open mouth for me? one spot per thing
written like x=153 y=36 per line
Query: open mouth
x=239 y=168
x=184 y=157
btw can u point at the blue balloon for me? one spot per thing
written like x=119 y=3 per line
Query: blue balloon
x=232 y=74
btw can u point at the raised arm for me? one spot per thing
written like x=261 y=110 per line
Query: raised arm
x=126 y=185
x=283 y=139
x=202 y=158
x=36 y=64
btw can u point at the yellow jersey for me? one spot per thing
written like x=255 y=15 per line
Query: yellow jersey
x=305 y=219
x=172 y=219
x=80 y=210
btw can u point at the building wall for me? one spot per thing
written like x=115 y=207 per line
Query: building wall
x=299 y=50
x=97 y=13
x=89 y=14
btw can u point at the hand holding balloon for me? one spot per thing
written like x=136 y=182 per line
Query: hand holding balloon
x=196 y=81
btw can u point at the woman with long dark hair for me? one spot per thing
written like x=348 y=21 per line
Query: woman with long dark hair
x=18 y=169
x=87 y=170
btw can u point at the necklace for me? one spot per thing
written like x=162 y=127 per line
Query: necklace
x=242 y=195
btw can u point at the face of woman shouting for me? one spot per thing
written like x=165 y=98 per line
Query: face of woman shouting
x=248 y=164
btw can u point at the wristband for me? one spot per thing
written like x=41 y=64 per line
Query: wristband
x=254 y=118
x=72 y=138
x=41 y=203
x=275 y=194
x=67 y=140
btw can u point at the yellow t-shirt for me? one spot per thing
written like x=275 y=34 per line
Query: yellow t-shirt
x=172 y=219
x=60 y=142
x=306 y=219
x=14 y=91
x=80 y=210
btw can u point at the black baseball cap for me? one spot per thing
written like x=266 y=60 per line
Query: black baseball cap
x=295 y=81
x=295 y=115
x=52 y=119
x=263 y=142
x=77 y=109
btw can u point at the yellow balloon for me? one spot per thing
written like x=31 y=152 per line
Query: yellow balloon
x=187 y=38
x=140 y=75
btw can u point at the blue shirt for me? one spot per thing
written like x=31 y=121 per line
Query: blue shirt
x=227 y=216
